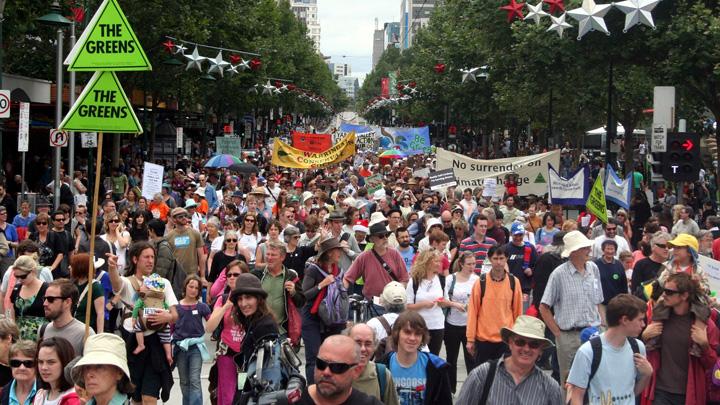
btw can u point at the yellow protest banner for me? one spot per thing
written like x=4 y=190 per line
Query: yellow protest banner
x=286 y=156
x=596 y=201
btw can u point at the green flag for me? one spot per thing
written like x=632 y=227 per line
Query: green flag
x=596 y=201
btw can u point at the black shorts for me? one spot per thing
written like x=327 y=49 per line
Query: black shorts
x=142 y=372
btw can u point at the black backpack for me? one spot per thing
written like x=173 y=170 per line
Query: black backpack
x=177 y=274
x=416 y=286
x=596 y=345
x=483 y=280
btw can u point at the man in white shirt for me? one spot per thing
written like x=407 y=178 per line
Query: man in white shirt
x=468 y=204
x=610 y=233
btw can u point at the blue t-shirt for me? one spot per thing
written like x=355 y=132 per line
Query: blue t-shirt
x=616 y=375
x=543 y=237
x=410 y=382
x=407 y=257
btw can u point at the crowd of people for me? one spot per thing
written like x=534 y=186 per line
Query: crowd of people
x=531 y=294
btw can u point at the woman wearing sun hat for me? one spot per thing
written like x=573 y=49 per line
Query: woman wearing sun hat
x=103 y=370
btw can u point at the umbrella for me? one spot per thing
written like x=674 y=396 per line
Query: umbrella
x=244 y=168
x=223 y=161
x=393 y=153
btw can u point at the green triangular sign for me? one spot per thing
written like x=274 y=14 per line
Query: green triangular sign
x=540 y=178
x=108 y=43
x=102 y=107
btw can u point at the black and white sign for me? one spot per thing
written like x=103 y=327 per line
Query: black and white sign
x=442 y=179
x=659 y=138
x=179 y=137
x=24 y=128
x=58 y=138
x=88 y=139
x=4 y=103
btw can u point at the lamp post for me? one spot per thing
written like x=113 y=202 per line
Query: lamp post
x=204 y=129
x=55 y=19
x=175 y=62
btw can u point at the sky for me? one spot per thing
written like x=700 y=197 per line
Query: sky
x=347 y=27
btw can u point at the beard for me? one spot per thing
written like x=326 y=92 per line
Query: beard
x=404 y=244
x=330 y=391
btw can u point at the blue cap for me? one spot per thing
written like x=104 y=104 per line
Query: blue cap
x=261 y=179
x=517 y=228
x=588 y=333
x=166 y=185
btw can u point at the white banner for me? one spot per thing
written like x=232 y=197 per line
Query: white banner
x=531 y=170
x=570 y=191
x=24 y=127
x=152 y=180
x=490 y=187
x=616 y=190
x=712 y=269
x=179 y=137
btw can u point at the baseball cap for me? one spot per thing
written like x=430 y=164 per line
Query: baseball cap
x=394 y=293
x=517 y=228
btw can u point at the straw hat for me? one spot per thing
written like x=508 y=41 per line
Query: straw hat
x=527 y=327
x=376 y=218
x=575 y=240
x=103 y=348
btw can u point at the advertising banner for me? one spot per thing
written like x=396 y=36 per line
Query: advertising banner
x=412 y=141
x=531 y=170
x=286 y=156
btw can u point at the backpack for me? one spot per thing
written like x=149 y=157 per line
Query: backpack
x=596 y=345
x=483 y=280
x=417 y=286
x=381 y=376
x=177 y=274
x=385 y=345
x=335 y=306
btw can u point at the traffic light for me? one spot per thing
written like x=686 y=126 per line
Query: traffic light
x=681 y=161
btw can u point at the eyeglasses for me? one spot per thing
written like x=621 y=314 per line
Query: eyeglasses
x=233 y=275
x=611 y=229
x=311 y=230
x=231 y=240
x=180 y=216
x=533 y=344
x=670 y=292
x=41 y=223
x=427 y=202
x=15 y=363
x=115 y=221
x=249 y=220
x=335 y=367
x=79 y=213
x=661 y=245
x=296 y=237
x=22 y=277
x=382 y=236
x=52 y=299
x=55 y=219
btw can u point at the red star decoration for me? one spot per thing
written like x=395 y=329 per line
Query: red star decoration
x=235 y=59
x=278 y=84
x=400 y=87
x=169 y=46
x=514 y=10
x=412 y=85
x=291 y=87
x=255 y=64
x=440 y=67
x=555 y=5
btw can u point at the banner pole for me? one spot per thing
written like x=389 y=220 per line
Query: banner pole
x=91 y=272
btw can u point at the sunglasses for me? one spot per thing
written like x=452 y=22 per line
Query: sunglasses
x=233 y=275
x=533 y=344
x=311 y=230
x=382 y=236
x=611 y=229
x=115 y=221
x=15 y=363
x=180 y=216
x=670 y=292
x=335 y=367
x=23 y=277
x=52 y=299
x=249 y=220
x=56 y=219
x=231 y=240
x=661 y=245
x=41 y=223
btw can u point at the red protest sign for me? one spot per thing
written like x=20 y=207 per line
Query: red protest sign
x=312 y=142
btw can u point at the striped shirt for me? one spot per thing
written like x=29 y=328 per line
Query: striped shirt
x=574 y=297
x=537 y=388
x=478 y=248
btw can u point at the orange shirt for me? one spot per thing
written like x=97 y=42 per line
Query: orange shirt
x=203 y=208
x=485 y=321
x=159 y=211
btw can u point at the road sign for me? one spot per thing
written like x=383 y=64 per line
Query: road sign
x=88 y=139
x=681 y=163
x=179 y=137
x=4 y=103
x=58 y=138
x=659 y=138
x=102 y=107
x=24 y=128
x=108 y=44
x=453 y=130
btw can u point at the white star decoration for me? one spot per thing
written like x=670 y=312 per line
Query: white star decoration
x=269 y=88
x=535 y=13
x=253 y=89
x=218 y=64
x=590 y=16
x=244 y=65
x=233 y=69
x=559 y=24
x=637 y=12
x=195 y=60
x=468 y=75
x=180 y=49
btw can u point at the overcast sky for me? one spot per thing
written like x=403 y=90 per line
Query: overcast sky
x=347 y=28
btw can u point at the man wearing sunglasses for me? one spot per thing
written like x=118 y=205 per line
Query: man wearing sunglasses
x=187 y=243
x=514 y=379
x=623 y=371
x=60 y=301
x=611 y=233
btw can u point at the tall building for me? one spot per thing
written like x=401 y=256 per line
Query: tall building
x=350 y=86
x=378 y=45
x=413 y=15
x=340 y=69
x=306 y=11
x=391 y=35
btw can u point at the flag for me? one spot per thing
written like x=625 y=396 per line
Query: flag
x=571 y=191
x=596 y=202
x=616 y=190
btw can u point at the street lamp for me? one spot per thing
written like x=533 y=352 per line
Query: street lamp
x=207 y=77
x=55 y=19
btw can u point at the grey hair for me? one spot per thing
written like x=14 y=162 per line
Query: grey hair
x=231 y=233
x=279 y=246
x=702 y=233
x=289 y=232
x=392 y=307
x=490 y=214
x=554 y=249
x=215 y=222
x=157 y=195
x=349 y=330
x=660 y=235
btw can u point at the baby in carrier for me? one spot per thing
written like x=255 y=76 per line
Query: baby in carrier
x=151 y=299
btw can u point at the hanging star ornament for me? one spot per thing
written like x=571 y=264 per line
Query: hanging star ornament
x=468 y=75
x=637 y=12
x=269 y=88
x=235 y=59
x=253 y=89
x=255 y=64
x=168 y=46
x=244 y=64
x=514 y=9
x=536 y=13
x=440 y=68
x=232 y=69
x=555 y=5
x=218 y=64
x=591 y=17
x=180 y=49
x=559 y=24
x=195 y=60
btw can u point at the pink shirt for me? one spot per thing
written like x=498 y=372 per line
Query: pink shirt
x=374 y=275
x=231 y=334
